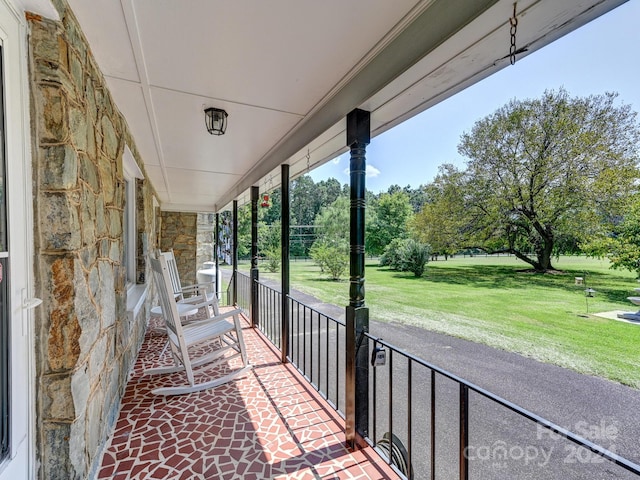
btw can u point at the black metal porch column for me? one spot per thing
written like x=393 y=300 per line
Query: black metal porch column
x=234 y=254
x=284 y=260
x=255 y=193
x=216 y=246
x=357 y=315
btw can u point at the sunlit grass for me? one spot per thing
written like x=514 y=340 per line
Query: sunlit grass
x=492 y=300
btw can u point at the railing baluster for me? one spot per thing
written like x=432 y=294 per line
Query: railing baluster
x=326 y=365
x=304 y=340
x=311 y=346
x=290 y=307
x=337 y=366
x=319 y=352
x=298 y=334
x=277 y=321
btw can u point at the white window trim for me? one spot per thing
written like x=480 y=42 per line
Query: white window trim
x=131 y=172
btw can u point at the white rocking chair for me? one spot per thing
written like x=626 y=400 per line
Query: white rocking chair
x=183 y=293
x=219 y=334
x=188 y=295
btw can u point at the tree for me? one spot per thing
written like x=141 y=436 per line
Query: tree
x=390 y=219
x=540 y=170
x=621 y=245
x=303 y=208
x=244 y=230
x=327 y=191
x=441 y=220
x=331 y=248
x=333 y=220
x=417 y=197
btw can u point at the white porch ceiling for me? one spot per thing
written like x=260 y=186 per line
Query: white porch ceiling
x=288 y=72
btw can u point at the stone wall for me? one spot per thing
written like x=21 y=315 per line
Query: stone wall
x=206 y=238
x=85 y=344
x=179 y=232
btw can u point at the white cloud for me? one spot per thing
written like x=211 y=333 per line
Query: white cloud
x=370 y=173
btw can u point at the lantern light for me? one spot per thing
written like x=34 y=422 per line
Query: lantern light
x=216 y=120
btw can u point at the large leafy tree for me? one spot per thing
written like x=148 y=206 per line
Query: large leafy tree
x=389 y=219
x=303 y=204
x=326 y=192
x=549 y=169
x=307 y=199
x=621 y=245
x=331 y=247
x=333 y=221
x=441 y=220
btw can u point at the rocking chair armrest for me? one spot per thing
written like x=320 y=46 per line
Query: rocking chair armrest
x=202 y=299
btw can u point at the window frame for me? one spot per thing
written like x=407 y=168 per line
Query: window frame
x=131 y=172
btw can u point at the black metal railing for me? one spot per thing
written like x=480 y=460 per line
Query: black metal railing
x=426 y=422
x=316 y=342
x=227 y=298
x=269 y=313
x=317 y=350
x=243 y=282
x=435 y=422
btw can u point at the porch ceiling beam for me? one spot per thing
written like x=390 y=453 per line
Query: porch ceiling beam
x=441 y=20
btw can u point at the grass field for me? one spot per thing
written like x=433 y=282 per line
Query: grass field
x=493 y=301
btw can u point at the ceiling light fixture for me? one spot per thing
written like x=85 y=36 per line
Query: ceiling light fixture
x=216 y=120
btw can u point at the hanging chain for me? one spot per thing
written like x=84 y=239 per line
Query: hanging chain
x=308 y=159
x=513 y=21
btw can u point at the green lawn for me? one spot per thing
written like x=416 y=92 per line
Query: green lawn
x=493 y=301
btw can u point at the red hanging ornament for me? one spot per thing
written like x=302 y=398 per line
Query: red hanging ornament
x=265 y=201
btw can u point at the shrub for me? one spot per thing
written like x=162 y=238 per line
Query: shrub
x=273 y=260
x=406 y=255
x=391 y=256
x=415 y=256
x=332 y=258
x=318 y=254
x=337 y=262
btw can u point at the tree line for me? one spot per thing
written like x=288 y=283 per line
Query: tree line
x=543 y=177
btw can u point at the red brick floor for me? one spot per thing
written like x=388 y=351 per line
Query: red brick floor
x=268 y=424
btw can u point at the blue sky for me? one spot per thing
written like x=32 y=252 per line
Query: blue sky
x=600 y=57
